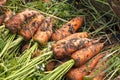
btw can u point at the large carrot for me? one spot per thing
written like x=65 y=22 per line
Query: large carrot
x=14 y=24
x=83 y=55
x=79 y=72
x=2 y=2
x=44 y=31
x=71 y=27
x=72 y=45
x=75 y=35
x=30 y=28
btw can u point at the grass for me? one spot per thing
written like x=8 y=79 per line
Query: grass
x=99 y=20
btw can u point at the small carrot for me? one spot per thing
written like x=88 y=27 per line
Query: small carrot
x=29 y=29
x=75 y=35
x=2 y=2
x=15 y=22
x=79 y=72
x=72 y=45
x=83 y=55
x=71 y=27
x=44 y=31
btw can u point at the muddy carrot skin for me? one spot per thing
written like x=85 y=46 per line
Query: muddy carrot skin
x=44 y=32
x=2 y=2
x=2 y=19
x=14 y=23
x=83 y=55
x=72 y=45
x=79 y=72
x=29 y=29
x=69 y=28
x=75 y=35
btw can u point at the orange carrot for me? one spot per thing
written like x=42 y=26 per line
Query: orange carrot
x=44 y=32
x=14 y=24
x=71 y=27
x=72 y=45
x=79 y=72
x=2 y=2
x=75 y=35
x=29 y=29
x=83 y=55
x=98 y=72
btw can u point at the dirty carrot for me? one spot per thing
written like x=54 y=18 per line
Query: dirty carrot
x=79 y=72
x=83 y=55
x=30 y=28
x=14 y=24
x=75 y=35
x=44 y=31
x=69 y=28
x=72 y=45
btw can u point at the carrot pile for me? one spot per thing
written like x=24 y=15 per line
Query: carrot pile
x=30 y=24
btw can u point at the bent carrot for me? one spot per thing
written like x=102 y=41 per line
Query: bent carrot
x=2 y=2
x=14 y=24
x=30 y=28
x=71 y=27
x=75 y=35
x=72 y=45
x=83 y=55
x=44 y=31
x=79 y=72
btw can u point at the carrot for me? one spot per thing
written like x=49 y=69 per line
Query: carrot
x=44 y=32
x=2 y=19
x=83 y=55
x=79 y=72
x=75 y=35
x=98 y=72
x=69 y=28
x=2 y=2
x=72 y=45
x=29 y=29
x=14 y=23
